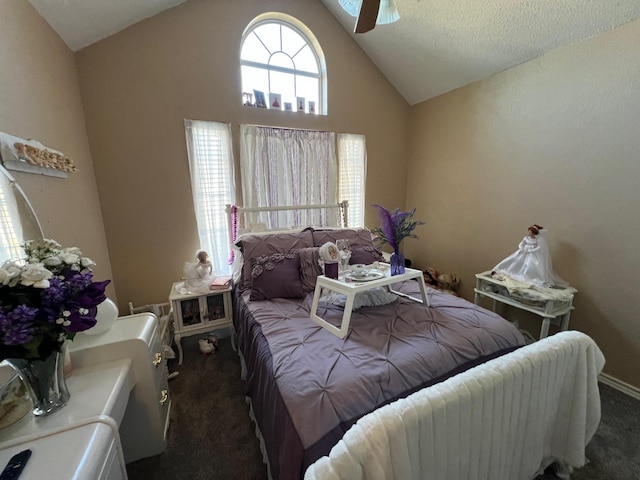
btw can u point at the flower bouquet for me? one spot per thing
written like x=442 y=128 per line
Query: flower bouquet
x=45 y=299
x=396 y=226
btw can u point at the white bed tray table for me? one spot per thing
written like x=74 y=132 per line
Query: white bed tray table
x=351 y=288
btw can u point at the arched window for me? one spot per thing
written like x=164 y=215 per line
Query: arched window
x=283 y=64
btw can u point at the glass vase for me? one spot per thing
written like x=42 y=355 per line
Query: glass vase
x=397 y=263
x=44 y=379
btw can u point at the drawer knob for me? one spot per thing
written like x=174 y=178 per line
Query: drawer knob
x=164 y=396
x=157 y=359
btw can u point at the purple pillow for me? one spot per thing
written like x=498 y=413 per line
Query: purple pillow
x=276 y=276
x=366 y=255
x=256 y=245
x=309 y=267
x=358 y=237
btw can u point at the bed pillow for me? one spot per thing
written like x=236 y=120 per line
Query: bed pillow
x=276 y=276
x=309 y=267
x=366 y=255
x=363 y=248
x=260 y=244
x=358 y=237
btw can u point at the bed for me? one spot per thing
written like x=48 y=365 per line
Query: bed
x=309 y=390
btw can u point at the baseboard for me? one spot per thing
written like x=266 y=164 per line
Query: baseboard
x=620 y=385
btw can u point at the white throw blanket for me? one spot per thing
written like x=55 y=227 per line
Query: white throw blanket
x=505 y=419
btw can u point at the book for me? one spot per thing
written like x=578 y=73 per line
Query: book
x=221 y=282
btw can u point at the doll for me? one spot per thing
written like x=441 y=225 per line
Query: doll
x=531 y=263
x=199 y=274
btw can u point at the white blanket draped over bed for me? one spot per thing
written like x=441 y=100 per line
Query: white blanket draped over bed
x=506 y=419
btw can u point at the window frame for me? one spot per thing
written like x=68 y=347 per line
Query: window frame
x=310 y=40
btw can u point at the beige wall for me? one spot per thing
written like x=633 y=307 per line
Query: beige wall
x=554 y=141
x=139 y=85
x=41 y=100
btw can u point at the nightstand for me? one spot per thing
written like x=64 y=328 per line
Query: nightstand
x=547 y=308
x=195 y=313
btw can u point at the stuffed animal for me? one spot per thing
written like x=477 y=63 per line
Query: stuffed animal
x=446 y=282
x=449 y=282
x=430 y=276
x=208 y=345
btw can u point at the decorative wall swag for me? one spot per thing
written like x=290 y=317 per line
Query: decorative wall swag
x=32 y=156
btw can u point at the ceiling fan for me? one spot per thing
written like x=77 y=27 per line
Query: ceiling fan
x=370 y=13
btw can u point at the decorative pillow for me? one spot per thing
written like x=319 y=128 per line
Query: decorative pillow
x=369 y=298
x=366 y=255
x=276 y=276
x=256 y=245
x=358 y=237
x=309 y=267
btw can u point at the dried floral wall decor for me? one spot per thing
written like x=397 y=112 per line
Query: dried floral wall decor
x=32 y=156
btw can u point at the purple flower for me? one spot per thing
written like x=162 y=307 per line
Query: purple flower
x=387 y=226
x=17 y=326
x=45 y=300
x=395 y=226
x=83 y=308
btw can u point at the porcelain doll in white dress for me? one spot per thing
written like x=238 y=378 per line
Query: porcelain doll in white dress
x=531 y=263
x=199 y=275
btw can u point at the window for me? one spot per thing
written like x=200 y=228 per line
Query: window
x=279 y=55
x=213 y=186
x=284 y=166
x=279 y=167
x=10 y=244
x=352 y=173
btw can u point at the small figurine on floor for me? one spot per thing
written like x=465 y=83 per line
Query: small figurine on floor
x=207 y=346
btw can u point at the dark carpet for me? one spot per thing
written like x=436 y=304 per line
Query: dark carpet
x=211 y=436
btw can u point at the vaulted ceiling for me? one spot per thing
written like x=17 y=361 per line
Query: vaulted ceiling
x=435 y=47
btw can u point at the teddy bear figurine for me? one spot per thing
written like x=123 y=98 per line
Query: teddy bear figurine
x=207 y=345
x=445 y=282
x=449 y=282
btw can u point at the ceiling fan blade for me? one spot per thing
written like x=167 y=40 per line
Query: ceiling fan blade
x=368 y=16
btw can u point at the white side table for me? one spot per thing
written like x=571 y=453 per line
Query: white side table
x=351 y=288
x=548 y=309
x=195 y=313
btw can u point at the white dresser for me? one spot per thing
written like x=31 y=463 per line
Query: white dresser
x=119 y=398
x=63 y=455
x=144 y=426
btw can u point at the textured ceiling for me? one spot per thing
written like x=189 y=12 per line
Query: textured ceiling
x=440 y=45
x=435 y=47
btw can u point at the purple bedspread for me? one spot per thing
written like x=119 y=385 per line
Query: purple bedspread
x=308 y=386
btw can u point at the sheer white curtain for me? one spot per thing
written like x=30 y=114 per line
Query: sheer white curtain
x=281 y=166
x=352 y=165
x=10 y=228
x=212 y=183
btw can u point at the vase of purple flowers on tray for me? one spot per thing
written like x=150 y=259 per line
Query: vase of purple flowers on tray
x=395 y=226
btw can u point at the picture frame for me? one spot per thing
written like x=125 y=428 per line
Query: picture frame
x=288 y=107
x=300 y=104
x=312 y=106
x=247 y=99
x=260 y=99
x=275 y=101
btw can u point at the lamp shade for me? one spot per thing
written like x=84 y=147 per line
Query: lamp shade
x=106 y=317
